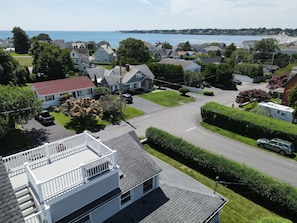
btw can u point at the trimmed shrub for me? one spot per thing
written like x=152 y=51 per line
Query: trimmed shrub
x=246 y=123
x=270 y=193
x=208 y=93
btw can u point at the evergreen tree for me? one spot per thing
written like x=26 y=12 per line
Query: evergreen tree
x=20 y=40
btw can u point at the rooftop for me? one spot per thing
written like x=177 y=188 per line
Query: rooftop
x=72 y=161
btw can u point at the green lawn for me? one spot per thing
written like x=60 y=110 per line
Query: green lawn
x=66 y=121
x=238 y=209
x=167 y=98
x=24 y=60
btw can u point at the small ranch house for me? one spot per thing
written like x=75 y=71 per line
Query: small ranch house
x=50 y=91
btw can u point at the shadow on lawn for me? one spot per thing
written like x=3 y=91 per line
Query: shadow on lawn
x=18 y=140
x=79 y=126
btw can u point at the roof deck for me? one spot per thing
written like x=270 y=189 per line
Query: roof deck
x=60 y=166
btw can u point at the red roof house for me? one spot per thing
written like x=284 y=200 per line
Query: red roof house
x=50 y=91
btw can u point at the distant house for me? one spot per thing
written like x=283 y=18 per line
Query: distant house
x=50 y=91
x=210 y=49
x=166 y=53
x=209 y=60
x=133 y=78
x=187 y=65
x=150 y=47
x=96 y=73
x=249 y=44
x=82 y=179
x=291 y=82
x=104 y=54
x=80 y=56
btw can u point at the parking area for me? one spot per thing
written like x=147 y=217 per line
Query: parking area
x=41 y=134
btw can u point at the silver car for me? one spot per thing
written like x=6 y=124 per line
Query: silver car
x=277 y=145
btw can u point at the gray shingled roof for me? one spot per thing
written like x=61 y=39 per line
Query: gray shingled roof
x=10 y=211
x=179 y=198
x=135 y=164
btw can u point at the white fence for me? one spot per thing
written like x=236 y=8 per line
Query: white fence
x=54 y=151
x=40 y=217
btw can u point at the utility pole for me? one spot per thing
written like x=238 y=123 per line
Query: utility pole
x=121 y=98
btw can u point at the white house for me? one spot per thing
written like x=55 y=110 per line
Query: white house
x=80 y=56
x=82 y=179
x=50 y=91
x=104 y=54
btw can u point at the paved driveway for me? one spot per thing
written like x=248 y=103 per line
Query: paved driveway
x=145 y=105
x=41 y=134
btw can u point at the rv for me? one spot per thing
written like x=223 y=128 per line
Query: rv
x=281 y=112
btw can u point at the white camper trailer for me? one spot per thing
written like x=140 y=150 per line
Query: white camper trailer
x=279 y=111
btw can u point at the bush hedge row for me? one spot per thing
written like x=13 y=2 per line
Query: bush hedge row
x=246 y=123
x=274 y=195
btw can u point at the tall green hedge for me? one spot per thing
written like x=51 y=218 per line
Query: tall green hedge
x=246 y=123
x=275 y=195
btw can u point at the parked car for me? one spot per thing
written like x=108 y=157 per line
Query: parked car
x=128 y=98
x=277 y=145
x=45 y=118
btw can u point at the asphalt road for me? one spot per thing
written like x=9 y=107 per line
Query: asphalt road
x=183 y=121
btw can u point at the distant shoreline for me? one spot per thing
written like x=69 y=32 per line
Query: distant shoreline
x=226 y=32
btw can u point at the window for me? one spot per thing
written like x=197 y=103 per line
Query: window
x=125 y=197
x=49 y=98
x=147 y=185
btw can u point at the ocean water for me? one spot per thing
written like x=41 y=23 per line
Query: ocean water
x=114 y=38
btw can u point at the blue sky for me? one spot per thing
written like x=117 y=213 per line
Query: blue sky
x=113 y=15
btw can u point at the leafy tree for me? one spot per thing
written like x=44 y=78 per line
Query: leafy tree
x=83 y=110
x=229 y=50
x=133 y=51
x=11 y=71
x=20 y=40
x=92 y=47
x=185 y=46
x=250 y=70
x=184 y=91
x=42 y=37
x=166 y=45
x=277 y=81
x=100 y=91
x=292 y=97
x=111 y=107
x=17 y=106
x=192 y=79
x=265 y=48
x=51 y=61
x=255 y=94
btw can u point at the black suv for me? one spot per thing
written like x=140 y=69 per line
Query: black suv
x=128 y=98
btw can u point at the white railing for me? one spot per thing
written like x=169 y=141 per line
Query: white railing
x=74 y=178
x=54 y=151
x=40 y=217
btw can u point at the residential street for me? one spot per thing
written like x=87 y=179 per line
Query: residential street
x=183 y=121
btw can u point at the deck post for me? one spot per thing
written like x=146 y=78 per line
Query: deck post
x=83 y=173
x=47 y=153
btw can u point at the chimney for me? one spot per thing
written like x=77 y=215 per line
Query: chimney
x=127 y=67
